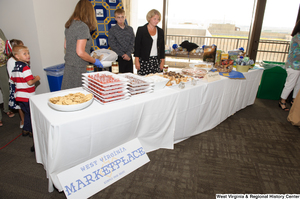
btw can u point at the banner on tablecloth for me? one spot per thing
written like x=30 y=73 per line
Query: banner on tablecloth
x=90 y=177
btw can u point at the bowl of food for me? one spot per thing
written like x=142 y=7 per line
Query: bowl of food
x=70 y=101
x=243 y=68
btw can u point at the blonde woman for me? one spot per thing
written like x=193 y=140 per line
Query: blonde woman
x=150 y=45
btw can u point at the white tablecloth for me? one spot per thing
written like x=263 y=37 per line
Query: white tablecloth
x=160 y=119
x=203 y=107
x=65 y=139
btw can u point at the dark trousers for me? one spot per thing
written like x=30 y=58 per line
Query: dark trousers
x=125 y=66
x=27 y=118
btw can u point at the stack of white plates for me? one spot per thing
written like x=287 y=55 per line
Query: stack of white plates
x=106 y=86
x=138 y=84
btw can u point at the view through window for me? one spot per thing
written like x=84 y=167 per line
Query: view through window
x=279 y=21
x=223 y=23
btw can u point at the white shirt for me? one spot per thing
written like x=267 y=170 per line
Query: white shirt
x=11 y=63
x=153 y=51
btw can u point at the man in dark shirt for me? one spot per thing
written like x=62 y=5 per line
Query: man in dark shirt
x=121 y=40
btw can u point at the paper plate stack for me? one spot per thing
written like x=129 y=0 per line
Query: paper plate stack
x=106 y=86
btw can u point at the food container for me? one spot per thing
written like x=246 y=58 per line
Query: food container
x=194 y=72
x=202 y=65
x=90 y=68
x=165 y=69
x=115 y=67
x=241 y=68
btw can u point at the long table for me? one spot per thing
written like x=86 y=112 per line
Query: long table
x=160 y=119
x=203 y=107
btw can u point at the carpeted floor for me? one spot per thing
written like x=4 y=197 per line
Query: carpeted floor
x=254 y=151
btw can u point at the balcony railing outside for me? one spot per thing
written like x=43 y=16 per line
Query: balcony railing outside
x=268 y=50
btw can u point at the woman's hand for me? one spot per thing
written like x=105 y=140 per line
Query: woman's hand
x=162 y=63
x=98 y=63
x=161 y=66
x=126 y=57
x=137 y=63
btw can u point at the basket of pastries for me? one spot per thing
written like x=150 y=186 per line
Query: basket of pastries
x=225 y=66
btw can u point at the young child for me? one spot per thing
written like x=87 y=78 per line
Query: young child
x=25 y=84
x=10 y=66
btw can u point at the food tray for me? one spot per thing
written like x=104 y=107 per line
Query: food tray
x=120 y=89
x=103 y=95
x=194 y=72
x=141 y=92
x=107 y=99
x=142 y=81
x=137 y=88
x=105 y=78
x=109 y=102
x=202 y=65
x=107 y=88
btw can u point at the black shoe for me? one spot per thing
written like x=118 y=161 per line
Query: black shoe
x=32 y=148
x=30 y=134
x=280 y=104
x=25 y=133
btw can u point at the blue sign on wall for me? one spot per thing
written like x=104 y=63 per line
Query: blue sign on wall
x=104 y=10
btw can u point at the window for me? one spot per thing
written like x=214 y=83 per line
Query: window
x=278 y=23
x=139 y=10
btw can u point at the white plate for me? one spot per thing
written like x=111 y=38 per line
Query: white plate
x=67 y=108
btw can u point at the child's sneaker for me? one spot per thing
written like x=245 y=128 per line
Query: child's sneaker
x=21 y=125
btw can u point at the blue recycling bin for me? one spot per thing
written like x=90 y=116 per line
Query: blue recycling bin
x=55 y=76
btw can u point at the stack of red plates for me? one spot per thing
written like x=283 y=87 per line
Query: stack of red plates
x=107 y=87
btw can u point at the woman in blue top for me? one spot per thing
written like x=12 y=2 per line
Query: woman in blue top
x=292 y=65
x=149 y=49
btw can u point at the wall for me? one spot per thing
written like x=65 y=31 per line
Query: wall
x=40 y=25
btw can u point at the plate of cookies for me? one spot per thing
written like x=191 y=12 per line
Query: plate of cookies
x=174 y=78
x=70 y=101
